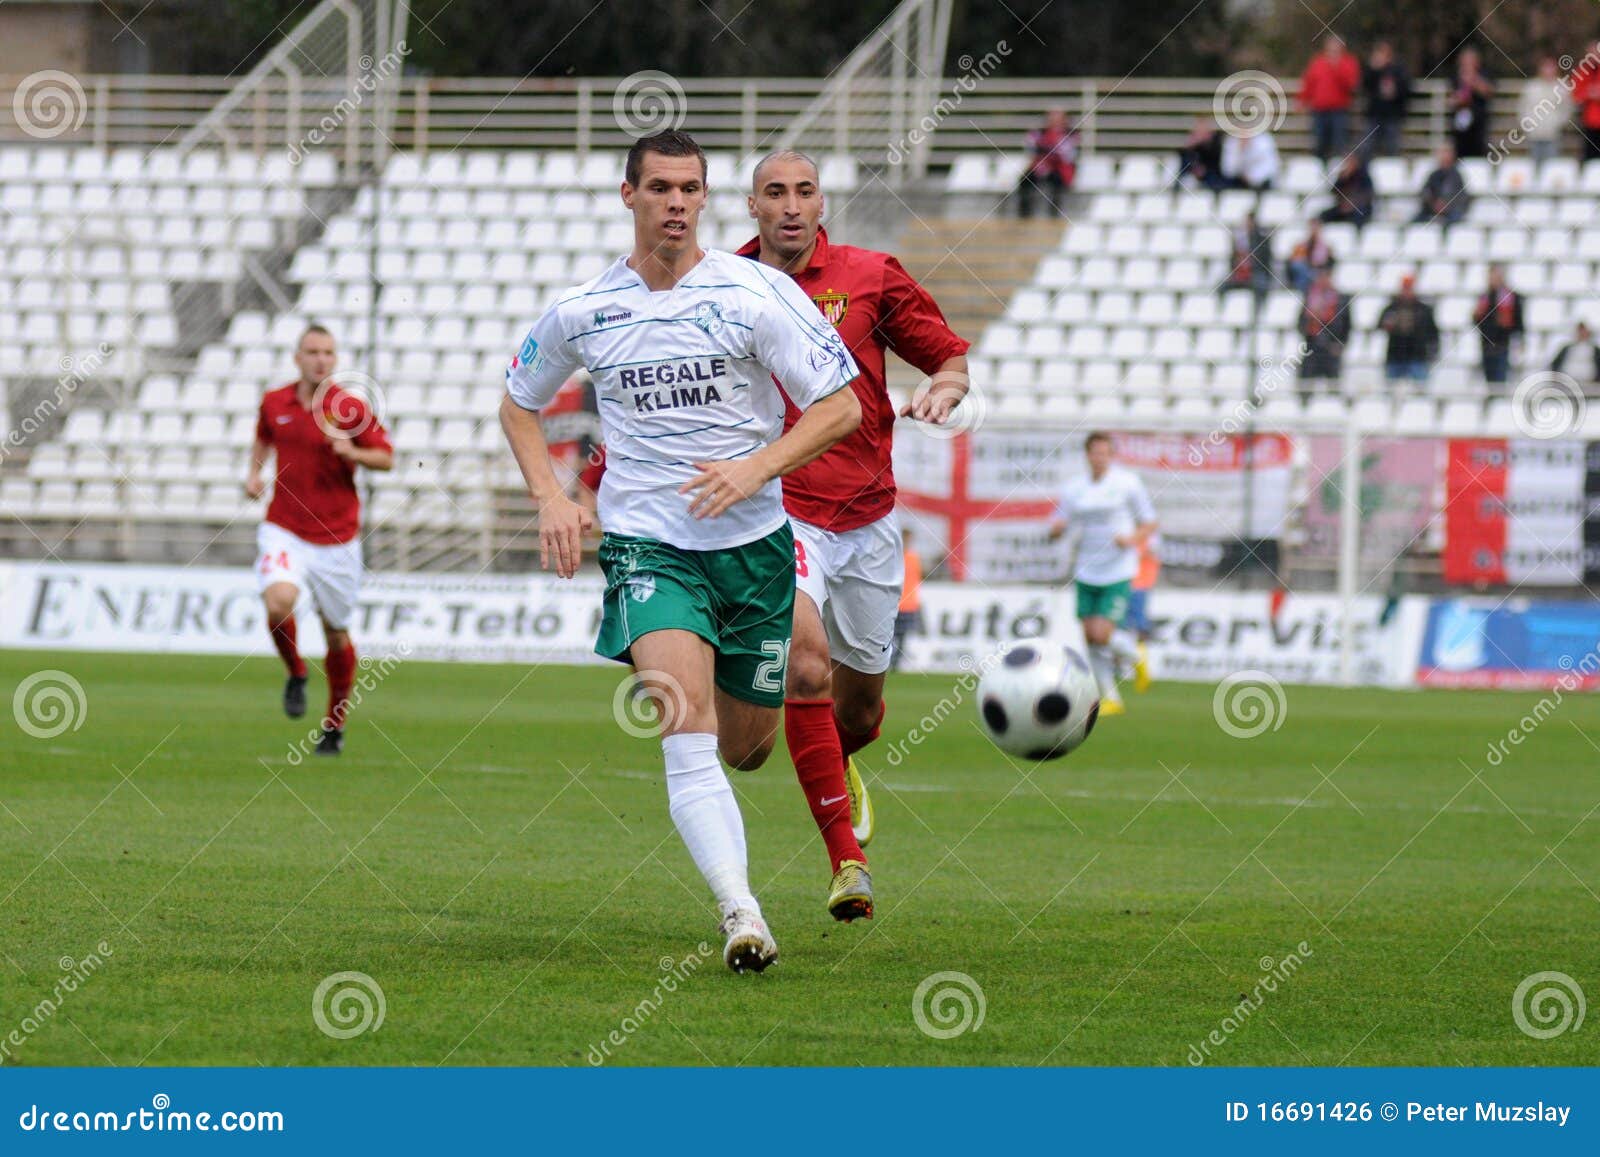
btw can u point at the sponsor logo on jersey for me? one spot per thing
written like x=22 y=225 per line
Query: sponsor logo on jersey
x=601 y=317
x=832 y=305
x=708 y=316
x=527 y=357
x=829 y=349
x=671 y=385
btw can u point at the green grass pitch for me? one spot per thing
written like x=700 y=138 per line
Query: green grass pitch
x=496 y=854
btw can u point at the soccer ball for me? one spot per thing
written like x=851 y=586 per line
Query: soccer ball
x=1038 y=700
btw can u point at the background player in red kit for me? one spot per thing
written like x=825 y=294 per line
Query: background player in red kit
x=311 y=537
x=848 y=566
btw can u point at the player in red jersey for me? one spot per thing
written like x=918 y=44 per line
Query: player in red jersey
x=311 y=535
x=848 y=565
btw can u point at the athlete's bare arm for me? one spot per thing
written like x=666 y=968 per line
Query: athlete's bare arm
x=372 y=457
x=941 y=393
x=721 y=484
x=562 y=522
x=254 y=487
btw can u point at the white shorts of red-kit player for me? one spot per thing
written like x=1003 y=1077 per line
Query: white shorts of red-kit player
x=854 y=578
x=330 y=572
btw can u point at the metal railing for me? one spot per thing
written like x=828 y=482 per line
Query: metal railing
x=743 y=115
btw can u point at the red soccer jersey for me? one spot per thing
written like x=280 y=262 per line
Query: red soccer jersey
x=875 y=305
x=314 y=494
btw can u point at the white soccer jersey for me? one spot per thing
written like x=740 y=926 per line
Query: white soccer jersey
x=1099 y=511
x=684 y=376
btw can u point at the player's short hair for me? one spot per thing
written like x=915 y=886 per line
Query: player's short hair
x=668 y=143
x=1096 y=436
x=782 y=155
x=314 y=327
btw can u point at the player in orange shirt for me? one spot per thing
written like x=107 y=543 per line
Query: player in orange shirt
x=909 y=617
x=1129 y=641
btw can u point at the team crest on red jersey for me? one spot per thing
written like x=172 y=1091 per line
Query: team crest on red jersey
x=832 y=305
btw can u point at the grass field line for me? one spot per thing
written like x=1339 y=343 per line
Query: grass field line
x=1198 y=800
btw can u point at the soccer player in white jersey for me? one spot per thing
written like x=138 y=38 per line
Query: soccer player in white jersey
x=1109 y=510
x=683 y=345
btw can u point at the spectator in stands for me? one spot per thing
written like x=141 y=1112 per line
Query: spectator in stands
x=1249 y=264
x=1543 y=110
x=1498 y=317
x=1413 y=334
x=1444 y=193
x=1579 y=356
x=1468 y=102
x=1249 y=160
x=1353 y=192
x=1308 y=258
x=1052 y=164
x=1325 y=325
x=1327 y=89
x=1585 y=81
x=1200 y=159
x=1388 y=89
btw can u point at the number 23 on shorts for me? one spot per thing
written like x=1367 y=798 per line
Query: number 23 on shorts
x=801 y=567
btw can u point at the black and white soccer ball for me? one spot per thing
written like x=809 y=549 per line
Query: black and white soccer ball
x=1038 y=700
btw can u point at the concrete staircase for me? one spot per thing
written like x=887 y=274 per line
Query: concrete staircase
x=971 y=266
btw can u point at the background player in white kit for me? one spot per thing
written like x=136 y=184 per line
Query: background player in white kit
x=698 y=554
x=1111 y=513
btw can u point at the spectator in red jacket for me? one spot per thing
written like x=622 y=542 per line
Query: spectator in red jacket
x=1052 y=163
x=1326 y=91
x=1586 y=98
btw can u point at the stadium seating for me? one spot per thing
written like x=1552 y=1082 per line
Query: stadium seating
x=1121 y=323
x=1128 y=304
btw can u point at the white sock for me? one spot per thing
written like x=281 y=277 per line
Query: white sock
x=1125 y=645
x=707 y=816
x=1104 y=672
x=733 y=819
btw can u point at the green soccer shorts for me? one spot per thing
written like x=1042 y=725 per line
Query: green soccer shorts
x=739 y=599
x=1108 y=601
